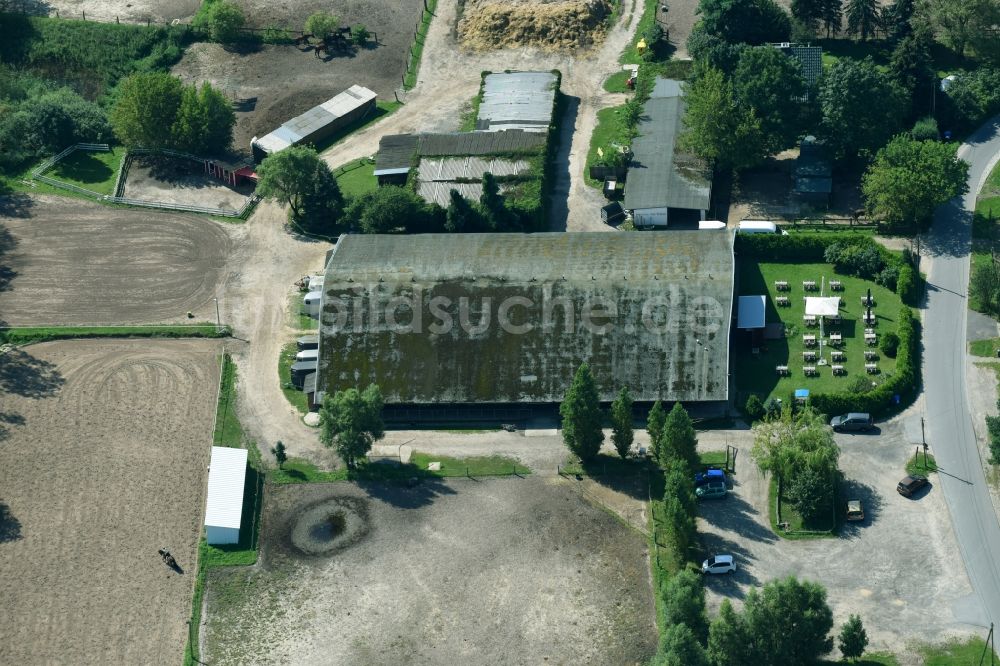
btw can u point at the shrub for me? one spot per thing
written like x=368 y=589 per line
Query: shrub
x=862 y=259
x=889 y=344
x=811 y=493
x=754 y=408
x=859 y=384
x=222 y=21
x=360 y=34
x=993 y=427
x=321 y=24
x=906 y=285
x=888 y=277
x=925 y=129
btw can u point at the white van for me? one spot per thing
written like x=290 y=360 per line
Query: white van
x=307 y=355
x=311 y=303
x=759 y=227
x=707 y=225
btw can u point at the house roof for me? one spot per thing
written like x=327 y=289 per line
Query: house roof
x=660 y=174
x=395 y=153
x=672 y=294
x=226 y=476
x=517 y=100
x=751 y=312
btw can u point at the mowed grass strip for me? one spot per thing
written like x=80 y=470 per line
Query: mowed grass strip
x=413 y=64
x=756 y=373
x=27 y=334
x=298 y=470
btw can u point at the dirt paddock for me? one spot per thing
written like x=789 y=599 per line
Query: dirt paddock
x=181 y=181
x=514 y=571
x=275 y=83
x=92 y=484
x=72 y=262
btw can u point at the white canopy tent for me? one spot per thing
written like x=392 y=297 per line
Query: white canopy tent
x=822 y=306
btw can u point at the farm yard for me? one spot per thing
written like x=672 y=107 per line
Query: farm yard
x=275 y=83
x=92 y=487
x=512 y=571
x=74 y=262
x=756 y=373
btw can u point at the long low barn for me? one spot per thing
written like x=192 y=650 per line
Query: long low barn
x=508 y=318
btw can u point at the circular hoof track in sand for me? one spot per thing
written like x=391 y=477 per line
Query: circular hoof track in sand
x=329 y=526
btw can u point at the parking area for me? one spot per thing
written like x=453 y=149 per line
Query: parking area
x=900 y=568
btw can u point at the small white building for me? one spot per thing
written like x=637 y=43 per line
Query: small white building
x=224 y=508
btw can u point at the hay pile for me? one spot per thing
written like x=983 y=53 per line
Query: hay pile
x=552 y=25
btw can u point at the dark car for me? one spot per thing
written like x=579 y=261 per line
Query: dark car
x=911 y=484
x=852 y=422
x=711 y=474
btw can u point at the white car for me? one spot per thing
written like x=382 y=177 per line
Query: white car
x=718 y=564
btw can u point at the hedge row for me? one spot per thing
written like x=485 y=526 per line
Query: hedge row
x=904 y=382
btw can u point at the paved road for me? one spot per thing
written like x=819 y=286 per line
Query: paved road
x=950 y=425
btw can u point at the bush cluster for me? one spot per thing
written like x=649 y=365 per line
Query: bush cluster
x=970 y=100
x=993 y=427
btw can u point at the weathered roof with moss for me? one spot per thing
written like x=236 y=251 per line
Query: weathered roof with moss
x=650 y=311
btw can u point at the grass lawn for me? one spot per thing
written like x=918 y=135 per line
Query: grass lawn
x=606 y=131
x=986 y=348
x=797 y=528
x=298 y=319
x=918 y=466
x=413 y=68
x=25 y=335
x=382 y=109
x=756 y=373
x=945 y=60
x=630 y=55
x=93 y=170
x=356 y=178
x=616 y=82
x=957 y=653
x=294 y=396
x=986 y=228
x=297 y=470
x=713 y=458
x=870 y=659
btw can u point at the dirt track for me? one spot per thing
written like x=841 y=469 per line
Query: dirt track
x=511 y=571
x=74 y=262
x=105 y=448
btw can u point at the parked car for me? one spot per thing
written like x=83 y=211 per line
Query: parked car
x=854 y=510
x=852 y=422
x=711 y=474
x=718 y=564
x=911 y=484
x=711 y=490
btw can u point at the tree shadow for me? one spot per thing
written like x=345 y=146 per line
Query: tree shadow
x=9 y=419
x=16 y=204
x=637 y=478
x=27 y=376
x=84 y=167
x=731 y=584
x=408 y=493
x=10 y=527
x=561 y=180
x=7 y=243
x=949 y=235
x=735 y=514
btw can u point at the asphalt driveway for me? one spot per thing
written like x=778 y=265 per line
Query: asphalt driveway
x=900 y=568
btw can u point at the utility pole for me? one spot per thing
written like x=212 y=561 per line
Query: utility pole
x=923 y=439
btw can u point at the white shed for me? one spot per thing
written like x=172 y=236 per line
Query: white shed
x=224 y=508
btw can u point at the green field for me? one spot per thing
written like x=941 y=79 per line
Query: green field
x=755 y=373
x=356 y=178
x=90 y=169
x=25 y=335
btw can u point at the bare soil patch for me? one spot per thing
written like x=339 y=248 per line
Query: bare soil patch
x=276 y=83
x=126 y=11
x=176 y=180
x=92 y=484
x=551 y=25
x=74 y=262
x=500 y=571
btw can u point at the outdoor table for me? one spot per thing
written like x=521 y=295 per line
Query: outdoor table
x=835 y=285
x=810 y=370
x=835 y=338
x=781 y=285
x=838 y=370
x=809 y=340
x=783 y=301
x=871 y=368
x=781 y=370
x=809 y=285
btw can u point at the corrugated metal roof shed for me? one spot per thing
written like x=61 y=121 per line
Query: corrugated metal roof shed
x=456 y=168
x=661 y=175
x=440 y=192
x=682 y=282
x=226 y=476
x=517 y=100
x=305 y=125
x=480 y=143
x=395 y=153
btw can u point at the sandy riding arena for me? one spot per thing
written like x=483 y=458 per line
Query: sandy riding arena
x=514 y=571
x=104 y=452
x=73 y=262
x=182 y=181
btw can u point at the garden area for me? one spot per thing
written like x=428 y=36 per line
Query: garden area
x=756 y=372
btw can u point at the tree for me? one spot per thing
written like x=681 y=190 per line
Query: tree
x=581 y=416
x=909 y=179
x=204 y=121
x=852 y=125
x=388 y=209
x=728 y=638
x=965 y=24
x=679 y=647
x=771 y=84
x=912 y=69
x=808 y=12
x=460 y=216
x=862 y=18
x=789 y=445
x=679 y=442
x=750 y=21
x=145 y=109
x=492 y=202
x=811 y=493
x=654 y=426
x=351 y=421
x=321 y=25
x=984 y=286
x=621 y=423
x=782 y=605
x=679 y=530
x=683 y=598
x=754 y=408
x=278 y=450
x=853 y=638
x=679 y=484
x=898 y=19
x=360 y=34
x=298 y=176
x=832 y=16
x=716 y=128
x=222 y=20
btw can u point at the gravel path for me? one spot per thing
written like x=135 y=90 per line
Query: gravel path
x=449 y=78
